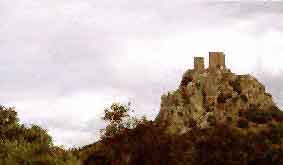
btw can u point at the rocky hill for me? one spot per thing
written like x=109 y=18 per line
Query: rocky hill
x=214 y=117
x=215 y=94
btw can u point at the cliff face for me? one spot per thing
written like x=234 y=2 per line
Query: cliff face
x=213 y=95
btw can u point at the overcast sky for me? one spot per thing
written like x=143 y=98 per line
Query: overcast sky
x=62 y=62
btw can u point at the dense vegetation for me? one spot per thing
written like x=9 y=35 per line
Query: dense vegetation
x=129 y=140
x=223 y=143
x=20 y=144
x=28 y=145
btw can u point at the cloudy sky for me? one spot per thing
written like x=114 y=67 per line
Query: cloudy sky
x=62 y=62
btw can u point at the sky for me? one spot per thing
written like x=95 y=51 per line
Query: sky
x=62 y=62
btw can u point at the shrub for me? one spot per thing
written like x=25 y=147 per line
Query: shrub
x=192 y=123
x=243 y=123
x=180 y=114
x=244 y=98
x=211 y=120
x=236 y=85
x=235 y=99
x=259 y=117
x=186 y=80
x=276 y=113
x=221 y=98
x=229 y=119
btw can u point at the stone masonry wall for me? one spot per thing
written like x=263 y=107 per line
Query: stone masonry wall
x=216 y=60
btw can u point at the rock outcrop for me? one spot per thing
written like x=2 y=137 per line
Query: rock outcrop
x=214 y=94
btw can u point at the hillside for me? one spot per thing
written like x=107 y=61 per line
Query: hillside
x=214 y=117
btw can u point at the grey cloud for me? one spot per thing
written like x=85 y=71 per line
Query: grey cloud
x=67 y=124
x=262 y=16
x=273 y=84
x=250 y=9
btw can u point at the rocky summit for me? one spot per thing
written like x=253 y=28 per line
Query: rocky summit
x=214 y=117
x=207 y=95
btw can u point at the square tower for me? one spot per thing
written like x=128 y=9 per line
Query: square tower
x=216 y=60
x=199 y=63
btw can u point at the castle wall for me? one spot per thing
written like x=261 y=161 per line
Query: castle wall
x=216 y=60
x=199 y=63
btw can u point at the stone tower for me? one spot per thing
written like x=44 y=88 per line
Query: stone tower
x=216 y=60
x=199 y=63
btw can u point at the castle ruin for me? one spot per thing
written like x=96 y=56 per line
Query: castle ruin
x=199 y=63
x=216 y=61
x=216 y=64
x=211 y=91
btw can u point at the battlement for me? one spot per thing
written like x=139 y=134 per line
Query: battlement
x=216 y=60
x=199 y=63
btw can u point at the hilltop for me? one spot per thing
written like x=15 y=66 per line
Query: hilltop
x=216 y=94
x=213 y=117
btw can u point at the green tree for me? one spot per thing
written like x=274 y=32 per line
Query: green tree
x=27 y=145
x=118 y=119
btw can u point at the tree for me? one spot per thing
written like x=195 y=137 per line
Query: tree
x=118 y=119
x=22 y=145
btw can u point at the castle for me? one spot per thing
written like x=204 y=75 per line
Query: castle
x=216 y=64
x=211 y=91
x=216 y=61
